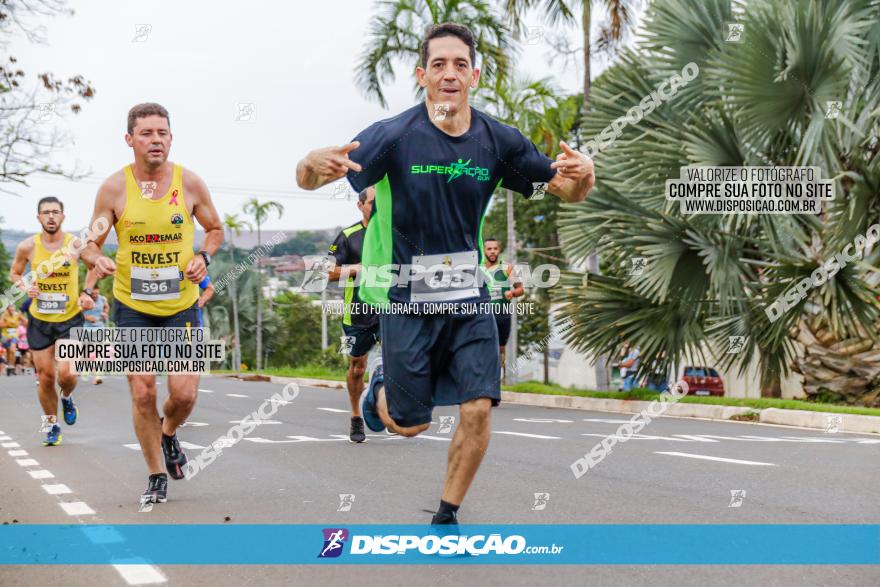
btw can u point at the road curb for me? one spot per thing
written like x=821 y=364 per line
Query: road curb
x=800 y=418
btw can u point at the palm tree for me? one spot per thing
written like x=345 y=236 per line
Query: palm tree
x=532 y=107
x=234 y=225
x=396 y=34
x=561 y=11
x=260 y=213
x=709 y=277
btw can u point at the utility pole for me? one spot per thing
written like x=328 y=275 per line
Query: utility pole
x=323 y=318
x=510 y=350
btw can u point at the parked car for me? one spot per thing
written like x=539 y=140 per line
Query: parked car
x=703 y=381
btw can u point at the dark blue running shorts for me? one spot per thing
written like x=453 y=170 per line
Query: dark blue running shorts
x=438 y=360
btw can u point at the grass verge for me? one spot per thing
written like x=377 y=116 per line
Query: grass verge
x=646 y=395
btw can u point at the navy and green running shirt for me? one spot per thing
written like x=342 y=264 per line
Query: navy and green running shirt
x=346 y=249
x=433 y=189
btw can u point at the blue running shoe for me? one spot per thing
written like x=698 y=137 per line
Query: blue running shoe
x=369 y=409
x=53 y=437
x=69 y=409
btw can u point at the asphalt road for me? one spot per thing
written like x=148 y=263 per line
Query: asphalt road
x=295 y=467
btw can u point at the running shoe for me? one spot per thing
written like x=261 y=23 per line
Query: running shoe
x=449 y=519
x=157 y=489
x=53 y=437
x=69 y=409
x=175 y=458
x=357 y=430
x=368 y=402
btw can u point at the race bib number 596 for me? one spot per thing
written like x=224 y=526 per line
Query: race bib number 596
x=161 y=283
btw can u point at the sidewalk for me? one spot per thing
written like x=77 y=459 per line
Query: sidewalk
x=801 y=418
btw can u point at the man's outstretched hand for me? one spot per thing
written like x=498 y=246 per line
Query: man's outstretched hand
x=323 y=166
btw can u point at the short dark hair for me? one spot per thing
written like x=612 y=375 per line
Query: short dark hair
x=490 y=238
x=144 y=110
x=362 y=196
x=50 y=200
x=448 y=29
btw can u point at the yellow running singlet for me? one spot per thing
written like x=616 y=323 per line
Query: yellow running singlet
x=57 y=277
x=156 y=240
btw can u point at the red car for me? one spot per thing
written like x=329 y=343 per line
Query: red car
x=703 y=381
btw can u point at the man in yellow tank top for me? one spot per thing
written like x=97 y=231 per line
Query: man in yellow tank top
x=152 y=203
x=56 y=302
x=9 y=320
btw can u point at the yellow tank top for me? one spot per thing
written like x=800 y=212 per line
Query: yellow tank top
x=57 y=277
x=9 y=323
x=156 y=240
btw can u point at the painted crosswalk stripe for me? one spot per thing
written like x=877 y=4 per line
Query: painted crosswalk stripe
x=10 y=445
x=718 y=459
x=140 y=574
x=235 y=395
x=77 y=508
x=333 y=410
x=18 y=453
x=5 y=438
x=27 y=463
x=541 y=436
x=41 y=474
x=206 y=391
x=57 y=489
x=429 y=437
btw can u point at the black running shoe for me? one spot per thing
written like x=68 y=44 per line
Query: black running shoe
x=357 y=430
x=175 y=458
x=157 y=489
x=449 y=519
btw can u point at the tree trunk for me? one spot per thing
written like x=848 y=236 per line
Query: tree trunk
x=236 y=346
x=585 y=26
x=547 y=363
x=259 y=309
x=510 y=351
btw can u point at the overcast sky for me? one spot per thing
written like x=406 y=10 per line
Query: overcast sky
x=294 y=61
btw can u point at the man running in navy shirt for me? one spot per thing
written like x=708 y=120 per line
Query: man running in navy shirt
x=435 y=167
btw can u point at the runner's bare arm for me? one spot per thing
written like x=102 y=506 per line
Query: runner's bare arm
x=103 y=218
x=326 y=165
x=207 y=216
x=339 y=271
x=574 y=177
x=22 y=254
x=517 y=290
x=85 y=300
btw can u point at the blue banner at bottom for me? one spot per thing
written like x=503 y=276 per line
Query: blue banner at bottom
x=570 y=544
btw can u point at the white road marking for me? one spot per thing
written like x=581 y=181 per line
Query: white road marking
x=57 y=489
x=607 y=421
x=257 y=422
x=183 y=444
x=140 y=574
x=293 y=439
x=77 y=508
x=5 y=438
x=637 y=437
x=27 y=463
x=719 y=459
x=541 y=436
x=541 y=420
x=333 y=410
x=236 y=395
x=429 y=437
x=206 y=391
x=189 y=424
x=41 y=474
x=18 y=453
x=10 y=445
x=695 y=438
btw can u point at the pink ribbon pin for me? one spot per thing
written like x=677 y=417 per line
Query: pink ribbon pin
x=173 y=201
